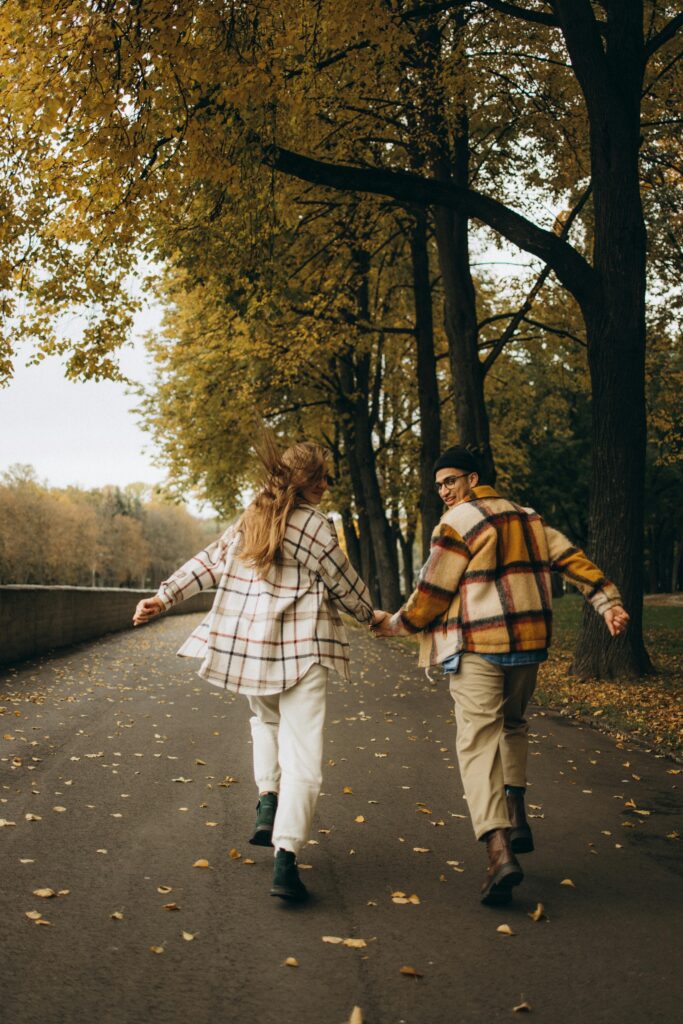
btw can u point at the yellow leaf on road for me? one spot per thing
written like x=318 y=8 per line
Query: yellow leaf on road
x=156 y=949
x=171 y=906
x=355 y=943
x=334 y=939
x=189 y=936
x=505 y=929
x=411 y=972
x=291 y=961
x=568 y=881
x=356 y=1016
x=59 y=810
x=539 y=913
x=45 y=894
x=421 y=849
x=201 y=863
x=347 y=790
x=522 y=1008
x=117 y=915
x=33 y=915
x=164 y=889
x=359 y=818
x=234 y=854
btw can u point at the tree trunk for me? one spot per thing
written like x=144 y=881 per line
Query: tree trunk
x=354 y=377
x=351 y=539
x=615 y=322
x=431 y=506
x=460 y=315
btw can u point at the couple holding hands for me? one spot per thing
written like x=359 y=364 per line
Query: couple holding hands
x=482 y=610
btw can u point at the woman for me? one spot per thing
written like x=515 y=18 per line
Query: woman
x=273 y=634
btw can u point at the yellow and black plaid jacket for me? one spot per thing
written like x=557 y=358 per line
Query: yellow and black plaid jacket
x=485 y=587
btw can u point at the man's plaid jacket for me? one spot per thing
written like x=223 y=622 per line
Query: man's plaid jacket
x=485 y=587
x=263 y=633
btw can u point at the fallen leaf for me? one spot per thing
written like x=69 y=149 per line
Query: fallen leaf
x=33 y=915
x=63 y=892
x=333 y=939
x=421 y=849
x=45 y=894
x=359 y=818
x=4 y=823
x=539 y=913
x=165 y=889
x=33 y=817
x=211 y=824
x=26 y=860
x=171 y=906
x=291 y=961
x=59 y=810
x=234 y=854
x=356 y=1016
x=181 y=778
x=42 y=921
x=568 y=881
x=347 y=790
x=117 y=915
x=189 y=936
x=505 y=929
x=355 y=943
x=411 y=972
x=397 y=893
x=201 y=863
x=199 y=761
x=248 y=860
x=522 y=1008
x=156 y=949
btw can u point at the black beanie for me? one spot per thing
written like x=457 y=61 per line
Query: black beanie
x=457 y=458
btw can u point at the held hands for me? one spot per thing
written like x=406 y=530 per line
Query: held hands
x=380 y=623
x=147 y=609
x=616 y=619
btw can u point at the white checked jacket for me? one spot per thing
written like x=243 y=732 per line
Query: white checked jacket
x=263 y=633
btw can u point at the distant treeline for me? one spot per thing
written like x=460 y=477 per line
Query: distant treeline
x=103 y=537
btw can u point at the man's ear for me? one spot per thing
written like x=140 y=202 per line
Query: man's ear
x=473 y=479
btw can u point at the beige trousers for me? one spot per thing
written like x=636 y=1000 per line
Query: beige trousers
x=492 y=735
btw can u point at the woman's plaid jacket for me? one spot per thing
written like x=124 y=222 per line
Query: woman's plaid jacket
x=263 y=633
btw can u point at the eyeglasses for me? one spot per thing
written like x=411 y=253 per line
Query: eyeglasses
x=448 y=482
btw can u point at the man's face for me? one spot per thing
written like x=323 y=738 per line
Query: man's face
x=454 y=485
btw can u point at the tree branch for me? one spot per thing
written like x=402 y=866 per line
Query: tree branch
x=663 y=36
x=571 y=268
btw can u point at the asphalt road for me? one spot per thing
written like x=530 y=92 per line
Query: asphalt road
x=120 y=769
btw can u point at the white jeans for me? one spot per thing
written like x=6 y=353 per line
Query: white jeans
x=287 y=733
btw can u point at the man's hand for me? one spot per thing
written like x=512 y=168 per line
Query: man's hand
x=147 y=609
x=616 y=619
x=380 y=623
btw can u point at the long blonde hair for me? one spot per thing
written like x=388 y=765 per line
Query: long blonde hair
x=286 y=475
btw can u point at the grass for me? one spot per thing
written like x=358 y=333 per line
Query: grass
x=649 y=708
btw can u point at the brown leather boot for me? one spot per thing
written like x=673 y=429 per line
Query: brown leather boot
x=503 y=872
x=521 y=839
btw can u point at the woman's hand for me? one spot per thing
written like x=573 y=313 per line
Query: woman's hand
x=380 y=623
x=147 y=609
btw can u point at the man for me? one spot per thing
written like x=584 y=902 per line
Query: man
x=483 y=609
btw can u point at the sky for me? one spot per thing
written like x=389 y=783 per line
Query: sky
x=79 y=433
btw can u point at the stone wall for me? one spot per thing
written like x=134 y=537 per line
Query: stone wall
x=38 y=619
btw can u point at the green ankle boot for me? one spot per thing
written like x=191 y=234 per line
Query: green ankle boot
x=286 y=882
x=265 y=817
